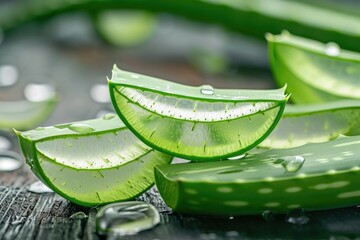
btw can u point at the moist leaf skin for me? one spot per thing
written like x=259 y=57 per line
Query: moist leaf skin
x=301 y=124
x=315 y=72
x=315 y=176
x=195 y=123
x=91 y=162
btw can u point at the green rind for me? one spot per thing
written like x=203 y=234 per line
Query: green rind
x=328 y=179
x=24 y=114
x=142 y=82
x=312 y=75
x=301 y=124
x=133 y=174
x=166 y=88
x=254 y=18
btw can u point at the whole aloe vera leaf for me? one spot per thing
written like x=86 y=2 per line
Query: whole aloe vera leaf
x=314 y=72
x=254 y=17
x=301 y=124
x=196 y=123
x=315 y=176
x=91 y=162
x=25 y=114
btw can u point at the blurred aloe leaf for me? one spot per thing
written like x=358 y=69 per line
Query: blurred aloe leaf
x=301 y=124
x=125 y=28
x=315 y=72
x=24 y=114
x=313 y=177
x=254 y=17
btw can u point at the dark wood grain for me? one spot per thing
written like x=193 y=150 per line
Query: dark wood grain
x=27 y=215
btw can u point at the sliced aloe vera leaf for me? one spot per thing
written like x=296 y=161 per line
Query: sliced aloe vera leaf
x=313 y=177
x=25 y=114
x=91 y=162
x=301 y=124
x=196 y=123
x=314 y=72
x=125 y=28
x=254 y=17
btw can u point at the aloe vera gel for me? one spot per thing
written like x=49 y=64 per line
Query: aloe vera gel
x=91 y=162
x=195 y=123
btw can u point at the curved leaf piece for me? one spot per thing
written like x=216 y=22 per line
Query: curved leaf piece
x=301 y=124
x=313 y=177
x=91 y=162
x=314 y=72
x=255 y=18
x=25 y=114
x=196 y=123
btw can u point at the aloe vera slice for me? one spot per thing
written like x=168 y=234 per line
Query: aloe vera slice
x=25 y=114
x=254 y=17
x=91 y=162
x=301 y=124
x=314 y=72
x=196 y=123
x=313 y=177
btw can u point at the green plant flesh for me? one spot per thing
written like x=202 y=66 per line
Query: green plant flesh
x=196 y=123
x=301 y=124
x=254 y=17
x=24 y=114
x=314 y=72
x=91 y=162
x=313 y=177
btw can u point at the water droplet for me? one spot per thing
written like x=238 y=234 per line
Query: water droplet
x=18 y=220
x=126 y=218
x=39 y=92
x=9 y=161
x=8 y=75
x=332 y=49
x=79 y=216
x=134 y=76
x=81 y=128
x=268 y=215
x=237 y=157
x=291 y=163
x=109 y=116
x=100 y=93
x=39 y=187
x=39 y=128
x=206 y=90
x=297 y=216
x=5 y=143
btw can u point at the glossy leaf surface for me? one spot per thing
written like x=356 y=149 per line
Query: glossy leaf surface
x=313 y=177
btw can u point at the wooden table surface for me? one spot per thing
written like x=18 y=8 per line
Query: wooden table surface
x=73 y=69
